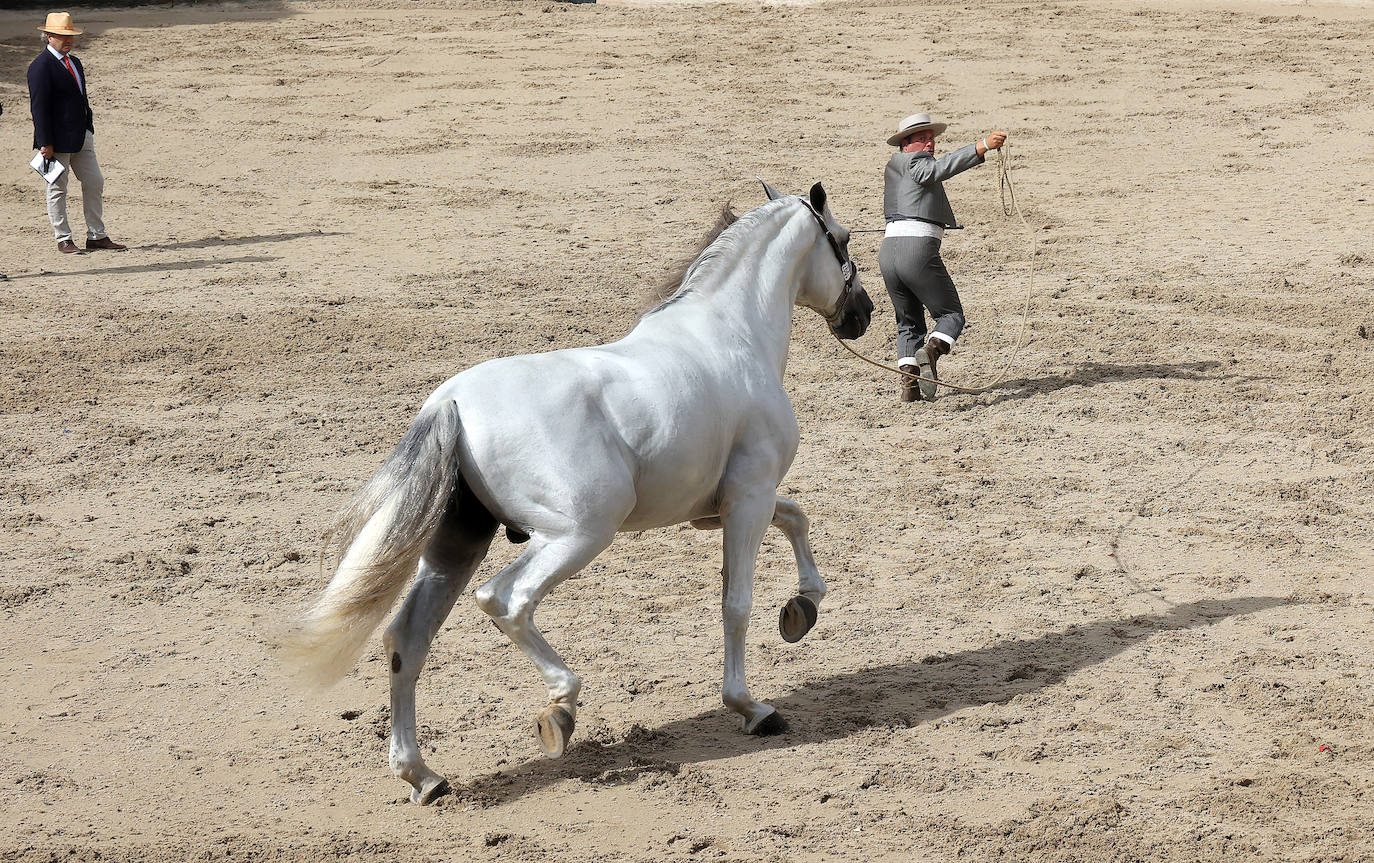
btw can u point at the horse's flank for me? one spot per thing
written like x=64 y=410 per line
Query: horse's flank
x=668 y=290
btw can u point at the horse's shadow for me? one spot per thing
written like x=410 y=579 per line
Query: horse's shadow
x=1092 y=374
x=897 y=695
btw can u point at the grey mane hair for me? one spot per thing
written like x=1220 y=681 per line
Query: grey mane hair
x=668 y=290
x=718 y=241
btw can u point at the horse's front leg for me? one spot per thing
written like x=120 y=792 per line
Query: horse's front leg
x=745 y=520
x=800 y=613
x=796 y=618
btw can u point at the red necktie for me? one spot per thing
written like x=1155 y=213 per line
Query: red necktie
x=68 y=64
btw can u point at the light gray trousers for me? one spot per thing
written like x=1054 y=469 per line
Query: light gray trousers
x=917 y=281
x=87 y=170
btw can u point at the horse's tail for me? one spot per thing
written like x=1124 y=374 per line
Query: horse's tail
x=379 y=537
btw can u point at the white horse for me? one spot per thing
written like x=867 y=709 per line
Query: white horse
x=684 y=419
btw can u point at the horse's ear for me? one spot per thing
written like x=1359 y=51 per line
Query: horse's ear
x=773 y=194
x=818 y=198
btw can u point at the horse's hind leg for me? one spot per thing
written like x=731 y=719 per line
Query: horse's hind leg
x=448 y=563
x=512 y=595
x=799 y=614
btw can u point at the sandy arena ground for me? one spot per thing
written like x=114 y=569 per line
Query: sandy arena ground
x=1115 y=609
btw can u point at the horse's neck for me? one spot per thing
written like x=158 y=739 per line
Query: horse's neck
x=746 y=299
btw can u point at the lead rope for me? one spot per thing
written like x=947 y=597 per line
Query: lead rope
x=1009 y=207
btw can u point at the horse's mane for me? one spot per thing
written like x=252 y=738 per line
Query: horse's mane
x=669 y=289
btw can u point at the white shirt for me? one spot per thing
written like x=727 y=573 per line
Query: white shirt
x=914 y=228
x=63 y=60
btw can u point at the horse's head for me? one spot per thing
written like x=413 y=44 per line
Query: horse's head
x=831 y=284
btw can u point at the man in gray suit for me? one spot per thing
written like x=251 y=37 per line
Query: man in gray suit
x=917 y=214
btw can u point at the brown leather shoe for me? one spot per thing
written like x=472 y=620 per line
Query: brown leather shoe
x=909 y=384
x=67 y=247
x=934 y=349
x=104 y=243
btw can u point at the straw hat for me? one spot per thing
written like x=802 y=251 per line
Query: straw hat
x=61 y=23
x=915 y=123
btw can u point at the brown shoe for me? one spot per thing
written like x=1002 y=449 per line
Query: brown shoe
x=104 y=243
x=934 y=349
x=67 y=247
x=909 y=384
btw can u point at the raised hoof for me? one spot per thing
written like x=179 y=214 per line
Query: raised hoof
x=555 y=726
x=429 y=791
x=769 y=725
x=796 y=619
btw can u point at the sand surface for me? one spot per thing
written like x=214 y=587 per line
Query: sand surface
x=1115 y=609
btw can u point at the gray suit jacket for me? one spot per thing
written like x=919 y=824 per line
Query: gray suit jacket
x=912 y=184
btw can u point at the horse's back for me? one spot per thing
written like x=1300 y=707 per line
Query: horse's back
x=640 y=436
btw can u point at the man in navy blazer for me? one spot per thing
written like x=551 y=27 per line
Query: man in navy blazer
x=64 y=129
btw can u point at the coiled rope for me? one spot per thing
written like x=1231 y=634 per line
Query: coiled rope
x=1009 y=208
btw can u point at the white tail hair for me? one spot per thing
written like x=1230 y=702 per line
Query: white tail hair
x=379 y=538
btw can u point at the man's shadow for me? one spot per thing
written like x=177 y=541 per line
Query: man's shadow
x=165 y=267
x=217 y=242
x=897 y=695
x=1092 y=374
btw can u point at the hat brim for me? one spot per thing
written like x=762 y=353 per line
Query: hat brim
x=71 y=32
x=937 y=128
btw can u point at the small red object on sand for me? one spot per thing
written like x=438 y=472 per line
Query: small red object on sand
x=1324 y=748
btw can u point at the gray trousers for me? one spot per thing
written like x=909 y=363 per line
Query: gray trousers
x=917 y=281
x=87 y=170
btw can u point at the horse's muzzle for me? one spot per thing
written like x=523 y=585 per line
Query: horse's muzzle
x=857 y=315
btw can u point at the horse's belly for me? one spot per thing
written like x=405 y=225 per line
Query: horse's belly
x=671 y=506
x=671 y=491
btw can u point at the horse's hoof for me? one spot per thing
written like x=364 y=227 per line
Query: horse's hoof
x=554 y=727
x=769 y=725
x=430 y=790
x=796 y=619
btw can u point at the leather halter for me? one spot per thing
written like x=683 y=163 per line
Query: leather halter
x=847 y=269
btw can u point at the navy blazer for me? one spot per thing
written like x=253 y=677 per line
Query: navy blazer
x=61 y=111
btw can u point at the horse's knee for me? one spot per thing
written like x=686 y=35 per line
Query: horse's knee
x=791 y=519
x=735 y=614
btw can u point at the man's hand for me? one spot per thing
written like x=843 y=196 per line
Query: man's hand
x=993 y=141
x=46 y=151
